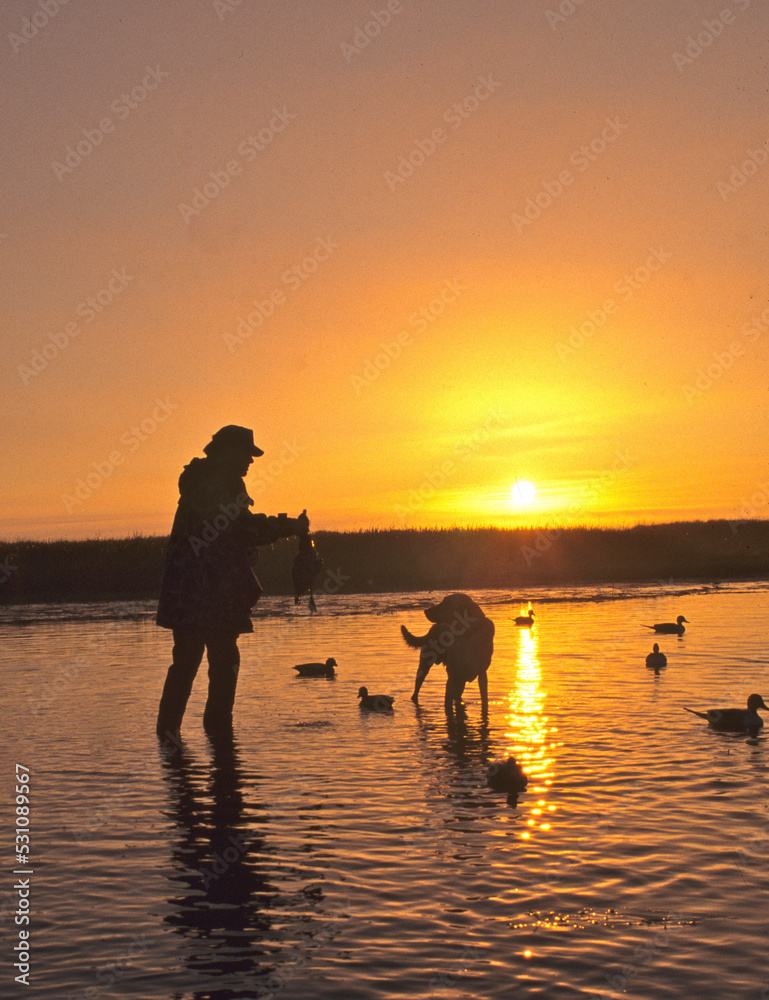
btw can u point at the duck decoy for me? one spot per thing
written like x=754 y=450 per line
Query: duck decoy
x=655 y=659
x=525 y=621
x=317 y=669
x=670 y=628
x=507 y=776
x=735 y=720
x=375 y=702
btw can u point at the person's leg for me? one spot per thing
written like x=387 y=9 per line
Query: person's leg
x=187 y=654
x=223 y=667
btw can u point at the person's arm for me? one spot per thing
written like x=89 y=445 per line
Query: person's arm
x=264 y=530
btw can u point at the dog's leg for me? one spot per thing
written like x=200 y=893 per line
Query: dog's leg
x=425 y=662
x=453 y=696
x=483 y=687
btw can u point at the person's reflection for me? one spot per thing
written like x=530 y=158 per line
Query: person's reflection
x=222 y=898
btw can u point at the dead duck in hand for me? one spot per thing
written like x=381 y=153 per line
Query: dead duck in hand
x=735 y=720
x=670 y=628
x=305 y=569
x=655 y=659
x=375 y=702
x=317 y=669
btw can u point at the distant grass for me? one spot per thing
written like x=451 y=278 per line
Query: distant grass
x=395 y=560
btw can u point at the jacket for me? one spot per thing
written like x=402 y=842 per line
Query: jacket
x=208 y=580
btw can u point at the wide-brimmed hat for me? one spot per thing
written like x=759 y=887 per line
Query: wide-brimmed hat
x=233 y=436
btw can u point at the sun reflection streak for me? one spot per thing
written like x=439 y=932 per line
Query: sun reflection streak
x=528 y=730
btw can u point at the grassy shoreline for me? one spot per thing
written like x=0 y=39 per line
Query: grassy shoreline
x=404 y=560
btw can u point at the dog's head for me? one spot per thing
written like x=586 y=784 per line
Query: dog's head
x=452 y=607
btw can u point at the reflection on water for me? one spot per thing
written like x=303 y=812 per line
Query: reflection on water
x=330 y=853
x=221 y=896
x=528 y=732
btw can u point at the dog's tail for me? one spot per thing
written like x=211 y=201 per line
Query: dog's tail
x=415 y=641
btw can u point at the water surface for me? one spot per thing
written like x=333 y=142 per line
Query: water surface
x=326 y=852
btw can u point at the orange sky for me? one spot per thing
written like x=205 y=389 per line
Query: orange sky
x=498 y=241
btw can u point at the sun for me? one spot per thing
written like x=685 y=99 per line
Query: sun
x=523 y=492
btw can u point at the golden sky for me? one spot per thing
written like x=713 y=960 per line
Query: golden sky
x=424 y=248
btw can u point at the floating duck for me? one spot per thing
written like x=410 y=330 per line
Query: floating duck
x=507 y=776
x=375 y=702
x=735 y=720
x=670 y=628
x=317 y=669
x=525 y=621
x=655 y=659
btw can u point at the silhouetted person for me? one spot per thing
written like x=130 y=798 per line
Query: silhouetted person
x=209 y=586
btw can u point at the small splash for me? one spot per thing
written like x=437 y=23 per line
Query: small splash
x=314 y=724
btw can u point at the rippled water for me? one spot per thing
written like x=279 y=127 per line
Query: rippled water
x=328 y=852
